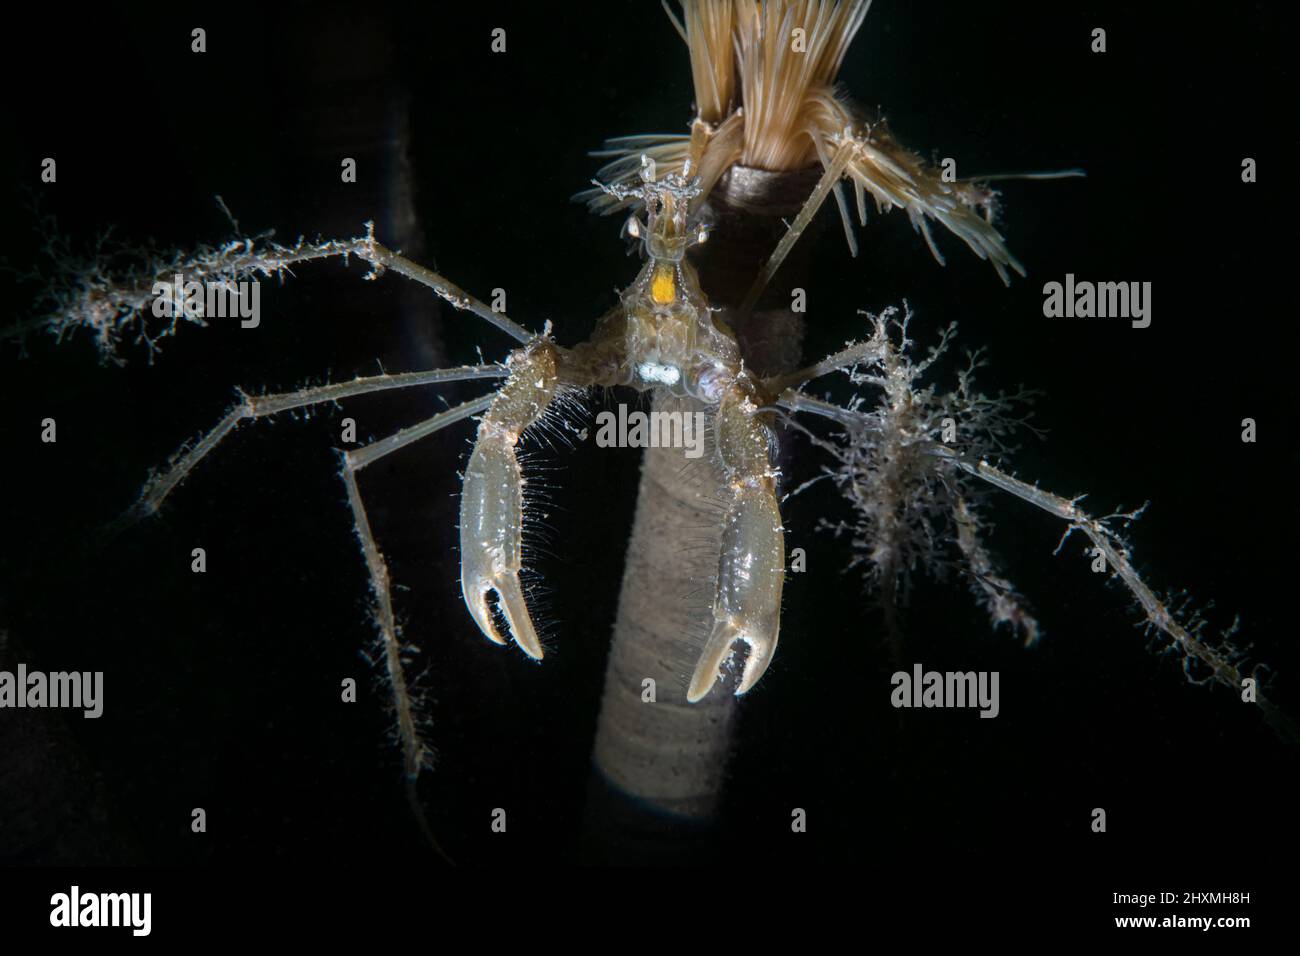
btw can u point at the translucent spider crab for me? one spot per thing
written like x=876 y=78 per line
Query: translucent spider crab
x=663 y=337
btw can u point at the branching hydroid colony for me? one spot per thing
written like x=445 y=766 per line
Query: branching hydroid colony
x=908 y=457
x=909 y=509
x=907 y=472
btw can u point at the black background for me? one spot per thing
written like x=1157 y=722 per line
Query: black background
x=222 y=689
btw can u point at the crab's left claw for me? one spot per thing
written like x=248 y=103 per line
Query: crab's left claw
x=751 y=567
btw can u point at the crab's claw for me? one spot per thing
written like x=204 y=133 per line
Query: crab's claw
x=492 y=501
x=751 y=566
x=491 y=525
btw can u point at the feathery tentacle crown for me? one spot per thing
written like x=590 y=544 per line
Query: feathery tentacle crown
x=764 y=75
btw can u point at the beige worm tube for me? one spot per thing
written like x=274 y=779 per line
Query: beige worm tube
x=667 y=760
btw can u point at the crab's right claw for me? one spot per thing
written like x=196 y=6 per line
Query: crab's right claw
x=492 y=499
x=491 y=523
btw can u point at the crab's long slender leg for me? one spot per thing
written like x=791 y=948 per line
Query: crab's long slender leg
x=491 y=502
x=995 y=592
x=1102 y=538
x=414 y=752
x=1222 y=670
x=107 y=306
x=796 y=401
x=751 y=566
x=259 y=406
x=386 y=258
x=847 y=357
x=834 y=170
